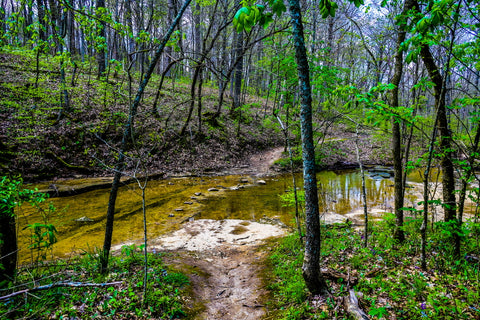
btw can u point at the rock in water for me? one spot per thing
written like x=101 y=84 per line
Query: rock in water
x=262 y=182
x=84 y=219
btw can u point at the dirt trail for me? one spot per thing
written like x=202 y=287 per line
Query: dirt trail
x=231 y=288
x=260 y=164
x=224 y=259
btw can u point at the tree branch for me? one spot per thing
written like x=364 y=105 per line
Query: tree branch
x=60 y=284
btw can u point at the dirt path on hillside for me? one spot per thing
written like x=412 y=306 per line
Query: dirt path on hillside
x=224 y=258
x=259 y=164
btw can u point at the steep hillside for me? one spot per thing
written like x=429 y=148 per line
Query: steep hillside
x=44 y=137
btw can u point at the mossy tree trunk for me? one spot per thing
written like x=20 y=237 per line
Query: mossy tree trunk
x=311 y=265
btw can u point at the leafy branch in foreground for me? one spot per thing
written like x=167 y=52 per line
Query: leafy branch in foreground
x=12 y=196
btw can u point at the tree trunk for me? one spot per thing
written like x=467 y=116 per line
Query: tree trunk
x=8 y=247
x=446 y=162
x=71 y=30
x=238 y=71
x=169 y=50
x=398 y=234
x=130 y=42
x=101 y=32
x=465 y=181
x=449 y=201
x=126 y=138
x=54 y=19
x=311 y=264
x=2 y=19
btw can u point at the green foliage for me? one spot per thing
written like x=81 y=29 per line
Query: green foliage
x=12 y=196
x=286 y=282
x=378 y=312
x=43 y=236
x=327 y=8
x=288 y=199
x=285 y=162
x=250 y=15
x=388 y=273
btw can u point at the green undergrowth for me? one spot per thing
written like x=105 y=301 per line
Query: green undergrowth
x=386 y=276
x=121 y=296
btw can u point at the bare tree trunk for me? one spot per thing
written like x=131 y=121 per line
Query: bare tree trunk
x=238 y=71
x=290 y=154
x=449 y=201
x=200 y=107
x=169 y=50
x=399 y=233
x=102 y=66
x=126 y=138
x=423 y=228
x=71 y=30
x=2 y=19
x=465 y=180
x=54 y=22
x=446 y=162
x=65 y=98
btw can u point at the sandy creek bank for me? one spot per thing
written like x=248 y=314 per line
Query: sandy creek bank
x=223 y=260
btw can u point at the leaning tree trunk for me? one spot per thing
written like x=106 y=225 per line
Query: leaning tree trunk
x=311 y=263
x=446 y=163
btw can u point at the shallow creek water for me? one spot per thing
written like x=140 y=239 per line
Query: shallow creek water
x=172 y=201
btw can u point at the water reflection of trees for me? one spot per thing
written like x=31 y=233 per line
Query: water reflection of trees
x=341 y=192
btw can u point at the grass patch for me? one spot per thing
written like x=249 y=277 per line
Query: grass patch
x=166 y=294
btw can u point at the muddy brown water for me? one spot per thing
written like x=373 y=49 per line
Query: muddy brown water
x=172 y=201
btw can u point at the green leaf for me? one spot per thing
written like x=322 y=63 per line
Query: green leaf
x=278 y=7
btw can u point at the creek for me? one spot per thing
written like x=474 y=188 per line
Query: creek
x=172 y=201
